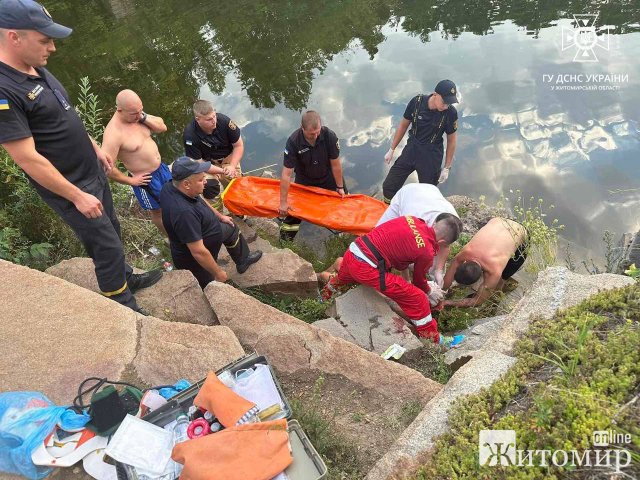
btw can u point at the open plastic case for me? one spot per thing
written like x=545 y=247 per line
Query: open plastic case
x=307 y=464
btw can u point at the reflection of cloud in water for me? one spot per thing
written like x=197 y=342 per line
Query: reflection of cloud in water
x=514 y=132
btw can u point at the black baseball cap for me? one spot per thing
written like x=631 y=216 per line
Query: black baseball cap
x=184 y=167
x=30 y=15
x=448 y=91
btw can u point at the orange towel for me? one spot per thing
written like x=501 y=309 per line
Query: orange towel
x=260 y=197
x=227 y=406
x=255 y=451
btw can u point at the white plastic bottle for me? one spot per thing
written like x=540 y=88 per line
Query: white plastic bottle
x=180 y=435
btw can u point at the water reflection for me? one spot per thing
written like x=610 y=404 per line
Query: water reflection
x=359 y=62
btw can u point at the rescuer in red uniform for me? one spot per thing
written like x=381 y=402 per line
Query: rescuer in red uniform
x=397 y=244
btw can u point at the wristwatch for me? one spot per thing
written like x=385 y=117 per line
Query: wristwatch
x=143 y=118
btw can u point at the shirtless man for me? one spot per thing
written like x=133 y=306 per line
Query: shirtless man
x=493 y=255
x=128 y=137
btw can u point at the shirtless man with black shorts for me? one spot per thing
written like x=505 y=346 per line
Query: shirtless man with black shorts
x=493 y=255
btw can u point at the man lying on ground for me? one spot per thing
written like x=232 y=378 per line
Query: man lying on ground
x=493 y=255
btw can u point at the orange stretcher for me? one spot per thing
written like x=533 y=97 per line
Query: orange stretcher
x=260 y=197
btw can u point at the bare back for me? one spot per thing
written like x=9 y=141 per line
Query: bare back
x=494 y=245
x=135 y=147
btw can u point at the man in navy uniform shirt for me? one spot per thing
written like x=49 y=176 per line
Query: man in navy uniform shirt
x=313 y=152
x=430 y=117
x=196 y=230
x=44 y=135
x=214 y=137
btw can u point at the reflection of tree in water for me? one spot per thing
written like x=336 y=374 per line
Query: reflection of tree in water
x=166 y=51
x=145 y=46
x=453 y=17
x=276 y=47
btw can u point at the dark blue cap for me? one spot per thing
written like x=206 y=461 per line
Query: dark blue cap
x=30 y=15
x=184 y=167
x=448 y=91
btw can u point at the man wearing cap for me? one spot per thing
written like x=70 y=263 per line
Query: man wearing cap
x=196 y=230
x=430 y=117
x=44 y=135
x=215 y=138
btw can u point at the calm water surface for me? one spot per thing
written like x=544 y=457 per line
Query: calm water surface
x=359 y=62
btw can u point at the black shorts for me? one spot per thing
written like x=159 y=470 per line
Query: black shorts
x=516 y=261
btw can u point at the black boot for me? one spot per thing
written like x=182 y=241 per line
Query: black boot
x=252 y=258
x=143 y=280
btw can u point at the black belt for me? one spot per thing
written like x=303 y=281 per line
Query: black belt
x=381 y=266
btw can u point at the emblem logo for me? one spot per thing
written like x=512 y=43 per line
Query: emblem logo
x=232 y=125
x=453 y=90
x=584 y=37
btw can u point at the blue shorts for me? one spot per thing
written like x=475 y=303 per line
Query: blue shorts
x=149 y=194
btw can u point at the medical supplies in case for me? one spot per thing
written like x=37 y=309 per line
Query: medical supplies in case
x=252 y=378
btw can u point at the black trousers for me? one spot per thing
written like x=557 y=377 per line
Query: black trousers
x=233 y=241
x=424 y=159
x=100 y=238
x=291 y=225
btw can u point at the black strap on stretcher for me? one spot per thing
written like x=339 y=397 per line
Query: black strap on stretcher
x=381 y=266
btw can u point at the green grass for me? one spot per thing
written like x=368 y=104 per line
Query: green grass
x=306 y=309
x=575 y=373
x=339 y=454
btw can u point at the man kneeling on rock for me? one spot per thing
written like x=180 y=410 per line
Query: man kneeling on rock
x=396 y=244
x=196 y=230
x=493 y=255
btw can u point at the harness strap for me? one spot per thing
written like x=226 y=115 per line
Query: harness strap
x=381 y=266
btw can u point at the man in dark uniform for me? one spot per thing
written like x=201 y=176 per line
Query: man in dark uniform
x=313 y=152
x=196 y=230
x=429 y=117
x=44 y=135
x=215 y=138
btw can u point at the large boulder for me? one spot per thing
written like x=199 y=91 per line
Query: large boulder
x=56 y=334
x=169 y=351
x=474 y=216
x=281 y=273
x=264 y=226
x=176 y=297
x=292 y=345
x=368 y=320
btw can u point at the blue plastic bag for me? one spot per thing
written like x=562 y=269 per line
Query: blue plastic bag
x=26 y=418
x=180 y=385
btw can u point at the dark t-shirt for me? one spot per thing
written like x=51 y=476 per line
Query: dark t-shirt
x=39 y=107
x=312 y=162
x=187 y=220
x=428 y=126
x=198 y=145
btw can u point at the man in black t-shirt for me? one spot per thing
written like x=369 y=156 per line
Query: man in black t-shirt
x=313 y=152
x=196 y=230
x=44 y=135
x=430 y=117
x=214 y=137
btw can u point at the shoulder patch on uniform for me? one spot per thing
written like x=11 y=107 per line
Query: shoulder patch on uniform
x=455 y=125
x=4 y=104
x=188 y=142
x=338 y=143
x=232 y=125
x=286 y=152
